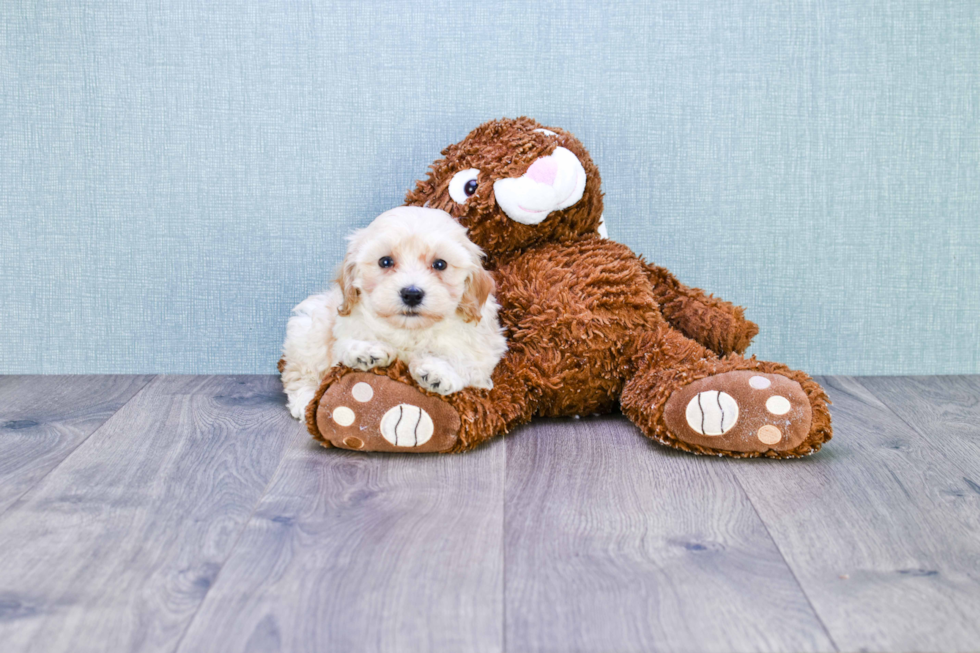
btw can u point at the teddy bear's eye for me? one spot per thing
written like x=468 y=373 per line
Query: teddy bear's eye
x=463 y=185
x=386 y=262
x=439 y=264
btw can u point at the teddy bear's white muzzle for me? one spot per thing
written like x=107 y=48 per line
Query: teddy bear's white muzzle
x=552 y=183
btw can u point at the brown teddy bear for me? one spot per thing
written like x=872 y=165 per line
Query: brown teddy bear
x=590 y=325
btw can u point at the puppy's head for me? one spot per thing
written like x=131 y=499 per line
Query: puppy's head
x=413 y=267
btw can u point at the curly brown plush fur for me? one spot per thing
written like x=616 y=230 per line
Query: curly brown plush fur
x=590 y=324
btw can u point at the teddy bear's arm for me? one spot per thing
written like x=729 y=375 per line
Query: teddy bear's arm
x=714 y=323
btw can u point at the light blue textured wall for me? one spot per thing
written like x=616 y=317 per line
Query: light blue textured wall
x=175 y=175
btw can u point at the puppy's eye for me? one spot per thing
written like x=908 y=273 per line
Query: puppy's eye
x=439 y=264
x=386 y=262
x=463 y=185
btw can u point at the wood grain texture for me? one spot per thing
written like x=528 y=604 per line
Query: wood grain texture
x=199 y=516
x=355 y=552
x=880 y=529
x=945 y=410
x=115 y=549
x=43 y=419
x=617 y=544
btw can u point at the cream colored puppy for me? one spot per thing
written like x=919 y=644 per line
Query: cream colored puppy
x=411 y=288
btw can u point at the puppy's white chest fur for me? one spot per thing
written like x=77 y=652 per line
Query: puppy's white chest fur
x=445 y=357
x=450 y=333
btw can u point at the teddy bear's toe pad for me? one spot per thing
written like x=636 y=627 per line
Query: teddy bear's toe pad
x=741 y=411
x=369 y=412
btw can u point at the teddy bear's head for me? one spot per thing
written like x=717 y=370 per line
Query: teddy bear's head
x=514 y=183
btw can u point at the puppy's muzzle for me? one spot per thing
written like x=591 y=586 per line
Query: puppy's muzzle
x=412 y=296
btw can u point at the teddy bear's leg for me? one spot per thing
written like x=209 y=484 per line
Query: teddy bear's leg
x=385 y=410
x=714 y=323
x=685 y=397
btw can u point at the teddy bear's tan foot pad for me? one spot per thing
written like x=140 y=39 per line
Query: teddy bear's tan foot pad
x=368 y=412
x=741 y=411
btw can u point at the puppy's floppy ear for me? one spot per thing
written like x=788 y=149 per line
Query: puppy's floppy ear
x=479 y=285
x=346 y=282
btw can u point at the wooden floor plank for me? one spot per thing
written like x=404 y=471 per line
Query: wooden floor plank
x=170 y=525
x=355 y=552
x=115 y=549
x=43 y=419
x=880 y=529
x=943 y=409
x=616 y=544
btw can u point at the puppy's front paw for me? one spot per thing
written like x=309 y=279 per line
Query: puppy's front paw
x=436 y=376
x=364 y=355
x=298 y=401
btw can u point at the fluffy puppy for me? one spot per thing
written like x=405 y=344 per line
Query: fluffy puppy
x=411 y=288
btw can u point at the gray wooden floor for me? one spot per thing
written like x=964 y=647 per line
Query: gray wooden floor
x=192 y=514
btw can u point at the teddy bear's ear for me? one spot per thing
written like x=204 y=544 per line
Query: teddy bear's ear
x=479 y=285
x=346 y=283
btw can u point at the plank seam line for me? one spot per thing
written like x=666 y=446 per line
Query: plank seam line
x=238 y=539
x=915 y=429
x=503 y=550
x=40 y=480
x=789 y=567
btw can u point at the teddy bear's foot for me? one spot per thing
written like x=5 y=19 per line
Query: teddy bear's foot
x=741 y=411
x=369 y=412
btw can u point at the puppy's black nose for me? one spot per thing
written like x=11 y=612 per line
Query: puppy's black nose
x=412 y=296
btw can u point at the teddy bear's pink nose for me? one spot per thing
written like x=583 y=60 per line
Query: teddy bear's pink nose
x=544 y=170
